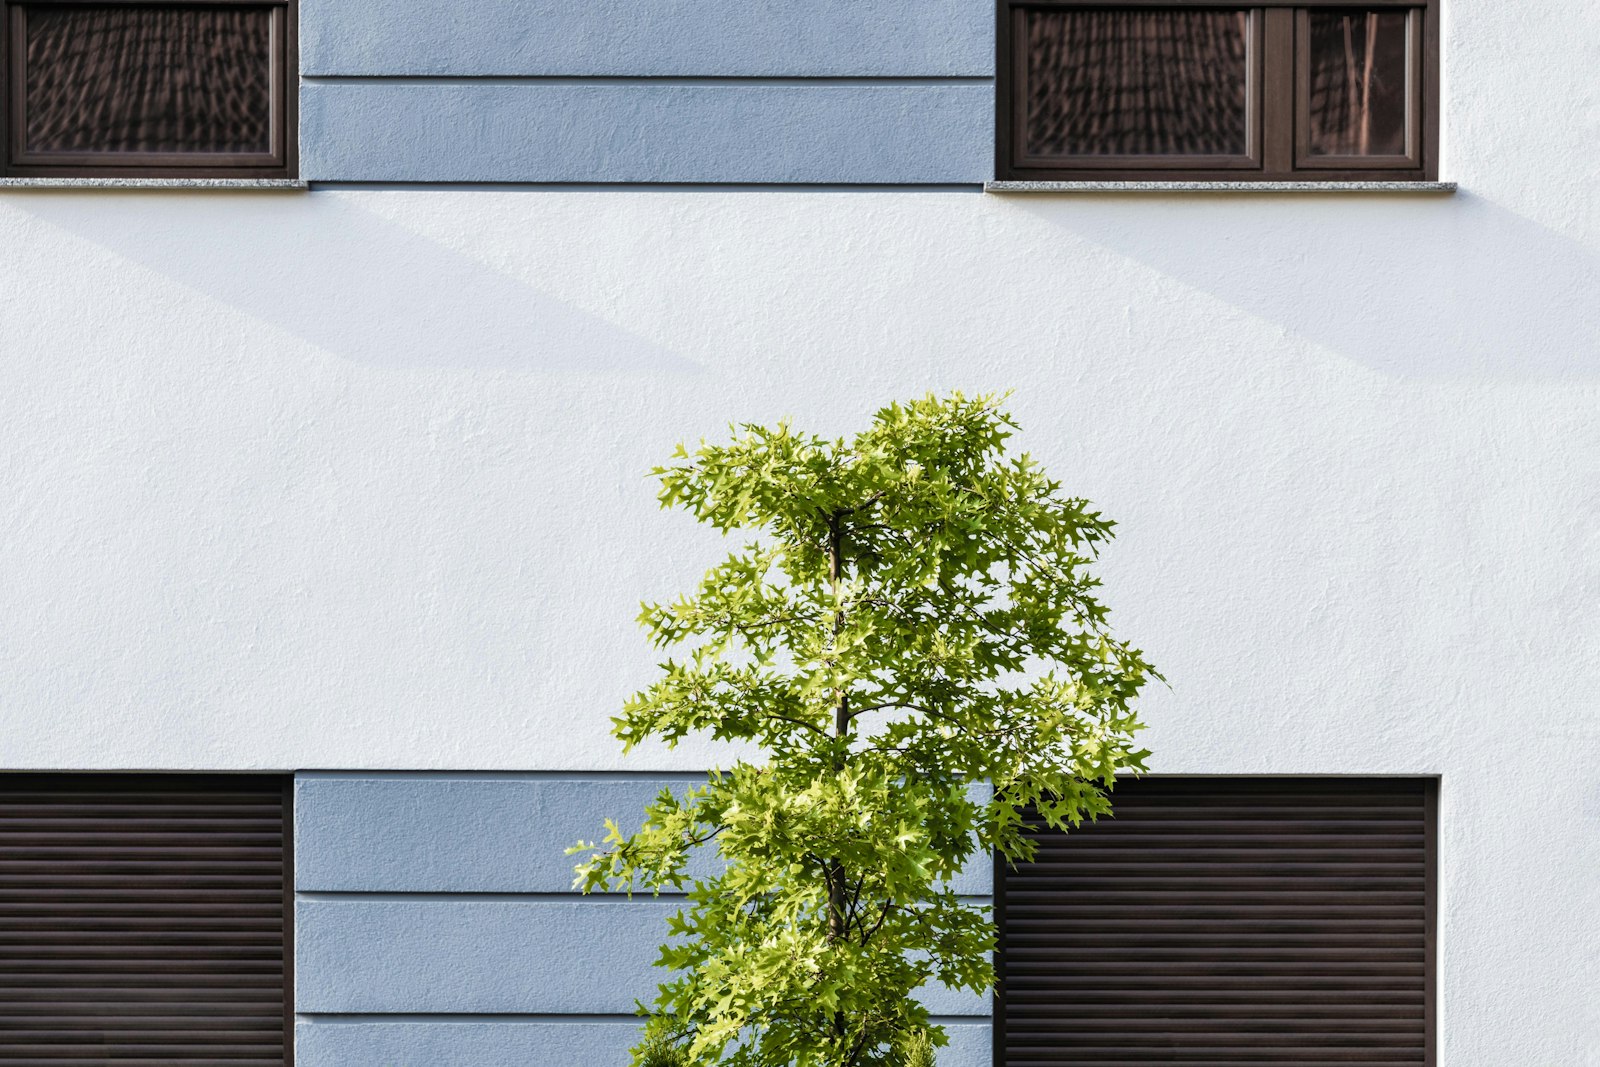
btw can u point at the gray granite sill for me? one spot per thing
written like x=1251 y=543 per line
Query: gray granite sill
x=220 y=184
x=1413 y=188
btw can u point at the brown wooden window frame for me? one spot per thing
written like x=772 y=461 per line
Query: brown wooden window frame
x=280 y=162
x=1278 y=107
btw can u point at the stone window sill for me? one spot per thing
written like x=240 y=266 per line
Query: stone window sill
x=220 y=184
x=1412 y=188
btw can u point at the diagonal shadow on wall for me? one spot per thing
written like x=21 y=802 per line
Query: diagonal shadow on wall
x=355 y=285
x=1451 y=287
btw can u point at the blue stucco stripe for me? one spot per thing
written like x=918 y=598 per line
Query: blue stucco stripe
x=468 y=1043
x=651 y=133
x=469 y=835
x=538 y=957
x=663 y=37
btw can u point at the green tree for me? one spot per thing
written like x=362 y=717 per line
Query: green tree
x=916 y=618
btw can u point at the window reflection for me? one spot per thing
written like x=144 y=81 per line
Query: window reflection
x=1138 y=82
x=1360 y=82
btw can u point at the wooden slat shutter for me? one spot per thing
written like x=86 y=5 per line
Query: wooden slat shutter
x=143 y=921
x=1225 y=923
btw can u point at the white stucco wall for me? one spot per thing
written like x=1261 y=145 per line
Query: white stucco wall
x=355 y=479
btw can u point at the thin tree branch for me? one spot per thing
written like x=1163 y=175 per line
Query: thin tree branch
x=813 y=727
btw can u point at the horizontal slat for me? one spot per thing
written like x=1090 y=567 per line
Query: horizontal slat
x=1026 y=1030
x=1197 y=993
x=1282 y=1053
x=227 y=974
x=171 y=852
x=1044 y=921
x=140 y=896
x=802 y=38
x=1265 y=789
x=1127 y=827
x=74 y=1060
x=1170 y=892
x=174 y=1007
x=1155 y=1038
x=1184 y=911
x=1104 y=873
x=1109 y=1012
x=1223 y=953
x=112 y=914
x=137 y=1028
x=197 y=877
x=198 y=799
x=1036 y=1058
x=16 y=817
x=1114 y=1056
x=1056 y=942
x=106 y=838
x=1074 y=844
x=18 y=955
x=1265 y=804
x=88 y=986
x=200 y=909
x=1207 y=989
x=1126 y=809
x=647 y=133
x=235 y=932
x=1288 y=967
x=1238 y=863
x=49 y=1046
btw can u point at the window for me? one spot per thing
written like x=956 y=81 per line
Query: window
x=127 y=88
x=1216 y=920
x=143 y=920
x=1169 y=90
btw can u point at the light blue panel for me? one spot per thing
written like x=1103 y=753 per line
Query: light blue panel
x=454 y=835
x=917 y=38
x=469 y=1043
x=469 y=835
x=540 y=957
x=647 y=132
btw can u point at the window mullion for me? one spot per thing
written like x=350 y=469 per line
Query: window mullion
x=1278 y=95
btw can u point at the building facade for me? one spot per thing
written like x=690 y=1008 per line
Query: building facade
x=331 y=468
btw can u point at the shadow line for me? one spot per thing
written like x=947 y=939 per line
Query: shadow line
x=355 y=285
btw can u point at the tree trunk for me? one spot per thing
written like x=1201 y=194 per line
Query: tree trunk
x=836 y=877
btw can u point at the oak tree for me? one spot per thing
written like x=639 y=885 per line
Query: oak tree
x=913 y=643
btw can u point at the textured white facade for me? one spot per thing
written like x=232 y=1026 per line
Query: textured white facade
x=355 y=478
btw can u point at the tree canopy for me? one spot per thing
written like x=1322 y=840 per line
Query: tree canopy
x=913 y=642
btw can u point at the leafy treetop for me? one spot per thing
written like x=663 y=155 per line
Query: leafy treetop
x=915 y=619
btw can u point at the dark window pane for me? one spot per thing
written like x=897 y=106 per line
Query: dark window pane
x=1360 y=82
x=1137 y=83
x=124 y=79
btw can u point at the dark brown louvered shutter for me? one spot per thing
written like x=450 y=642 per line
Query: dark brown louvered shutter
x=1225 y=923
x=143 y=921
